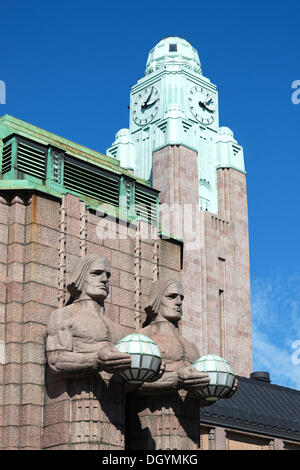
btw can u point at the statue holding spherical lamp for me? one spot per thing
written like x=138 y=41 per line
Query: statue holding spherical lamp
x=80 y=337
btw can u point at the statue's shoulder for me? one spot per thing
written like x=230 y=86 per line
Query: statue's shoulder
x=148 y=330
x=191 y=350
x=58 y=318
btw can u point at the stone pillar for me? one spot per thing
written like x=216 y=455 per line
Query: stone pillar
x=232 y=194
x=215 y=270
x=217 y=438
x=164 y=422
x=175 y=174
x=30 y=295
x=40 y=298
x=278 y=444
x=6 y=419
x=84 y=413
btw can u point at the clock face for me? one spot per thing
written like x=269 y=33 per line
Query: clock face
x=202 y=105
x=145 y=105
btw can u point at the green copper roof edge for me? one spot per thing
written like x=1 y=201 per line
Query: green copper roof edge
x=34 y=132
x=19 y=185
x=233 y=167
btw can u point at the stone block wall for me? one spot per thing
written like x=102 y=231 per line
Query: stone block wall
x=215 y=274
x=40 y=239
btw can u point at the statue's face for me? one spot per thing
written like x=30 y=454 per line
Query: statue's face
x=171 y=304
x=96 y=283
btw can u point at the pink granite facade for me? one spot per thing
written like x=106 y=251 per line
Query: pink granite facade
x=215 y=273
x=40 y=239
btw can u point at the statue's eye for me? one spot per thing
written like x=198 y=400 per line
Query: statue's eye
x=172 y=296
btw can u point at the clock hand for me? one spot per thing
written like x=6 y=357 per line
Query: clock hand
x=208 y=100
x=203 y=106
x=151 y=103
x=145 y=103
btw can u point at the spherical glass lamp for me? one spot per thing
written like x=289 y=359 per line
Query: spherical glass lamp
x=221 y=376
x=145 y=358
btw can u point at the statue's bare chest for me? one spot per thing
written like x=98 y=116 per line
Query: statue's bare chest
x=171 y=347
x=89 y=327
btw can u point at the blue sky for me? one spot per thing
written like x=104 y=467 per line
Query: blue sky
x=68 y=67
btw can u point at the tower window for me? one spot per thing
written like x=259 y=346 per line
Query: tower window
x=173 y=48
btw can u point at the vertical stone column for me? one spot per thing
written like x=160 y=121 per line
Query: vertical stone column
x=232 y=193
x=163 y=422
x=175 y=174
x=217 y=438
x=4 y=213
x=40 y=298
x=13 y=436
x=31 y=293
x=215 y=271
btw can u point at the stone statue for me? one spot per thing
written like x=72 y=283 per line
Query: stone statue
x=164 y=311
x=80 y=338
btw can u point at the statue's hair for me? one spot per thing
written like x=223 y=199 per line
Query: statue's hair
x=157 y=292
x=78 y=275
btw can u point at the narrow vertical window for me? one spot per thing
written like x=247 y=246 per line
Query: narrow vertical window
x=221 y=321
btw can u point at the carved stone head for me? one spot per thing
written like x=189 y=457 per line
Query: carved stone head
x=165 y=300
x=90 y=276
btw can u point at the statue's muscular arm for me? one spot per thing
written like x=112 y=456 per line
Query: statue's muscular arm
x=60 y=344
x=63 y=359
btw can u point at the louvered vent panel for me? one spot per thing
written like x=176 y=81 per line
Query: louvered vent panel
x=6 y=158
x=146 y=205
x=91 y=183
x=31 y=160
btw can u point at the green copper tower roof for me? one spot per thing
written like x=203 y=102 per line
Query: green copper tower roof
x=175 y=104
x=173 y=53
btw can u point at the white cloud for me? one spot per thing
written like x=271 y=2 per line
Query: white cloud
x=276 y=327
x=278 y=362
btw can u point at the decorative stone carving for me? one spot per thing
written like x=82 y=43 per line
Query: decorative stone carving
x=164 y=311
x=80 y=338
x=56 y=166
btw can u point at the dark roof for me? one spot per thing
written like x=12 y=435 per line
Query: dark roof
x=258 y=407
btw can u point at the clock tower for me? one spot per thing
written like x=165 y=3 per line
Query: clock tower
x=175 y=104
x=175 y=142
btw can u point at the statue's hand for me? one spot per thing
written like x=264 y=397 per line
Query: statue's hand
x=113 y=361
x=190 y=378
x=233 y=390
x=159 y=374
